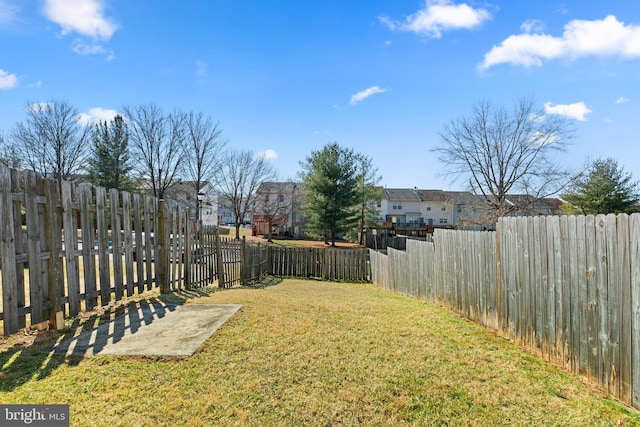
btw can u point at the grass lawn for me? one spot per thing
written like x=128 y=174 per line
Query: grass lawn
x=314 y=353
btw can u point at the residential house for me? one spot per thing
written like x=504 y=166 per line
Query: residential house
x=411 y=211
x=417 y=212
x=470 y=211
x=437 y=208
x=225 y=213
x=183 y=194
x=278 y=205
x=401 y=207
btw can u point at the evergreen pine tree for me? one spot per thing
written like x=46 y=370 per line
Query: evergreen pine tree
x=109 y=163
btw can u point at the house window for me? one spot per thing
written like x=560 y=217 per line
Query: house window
x=459 y=210
x=395 y=207
x=429 y=207
x=399 y=207
x=281 y=198
x=379 y=204
x=443 y=207
x=443 y=220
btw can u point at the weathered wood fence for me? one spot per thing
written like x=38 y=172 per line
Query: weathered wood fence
x=67 y=248
x=565 y=288
x=325 y=263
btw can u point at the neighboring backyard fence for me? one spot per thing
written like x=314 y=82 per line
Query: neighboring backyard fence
x=565 y=288
x=67 y=248
x=324 y=263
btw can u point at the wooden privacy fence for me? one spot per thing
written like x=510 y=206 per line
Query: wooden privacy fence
x=67 y=248
x=565 y=288
x=325 y=263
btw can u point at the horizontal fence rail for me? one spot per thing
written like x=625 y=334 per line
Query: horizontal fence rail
x=325 y=263
x=565 y=288
x=68 y=248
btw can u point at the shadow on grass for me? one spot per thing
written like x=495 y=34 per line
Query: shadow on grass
x=35 y=355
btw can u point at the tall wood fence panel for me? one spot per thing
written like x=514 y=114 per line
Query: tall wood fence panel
x=255 y=263
x=325 y=263
x=573 y=294
x=66 y=248
x=565 y=288
x=231 y=255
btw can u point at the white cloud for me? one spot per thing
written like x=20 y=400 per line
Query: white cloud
x=532 y=26
x=438 y=16
x=365 y=94
x=268 y=154
x=95 y=115
x=87 y=49
x=85 y=17
x=8 y=12
x=621 y=100
x=577 y=111
x=606 y=37
x=7 y=81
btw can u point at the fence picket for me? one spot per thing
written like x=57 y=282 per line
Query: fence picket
x=36 y=279
x=70 y=246
x=7 y=251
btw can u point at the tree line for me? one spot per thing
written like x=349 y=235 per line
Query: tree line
x=498 y=151
x=148 y=149
x=145 y=149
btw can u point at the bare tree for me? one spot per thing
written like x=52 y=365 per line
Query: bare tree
x=203 y=152
x=157 y=140
x=503 y=151
x=238 y=181
x=370 y=194
x=52 y=139
x=276 y=202
x=9 y=155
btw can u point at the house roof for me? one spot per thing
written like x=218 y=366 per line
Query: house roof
x=527 y=202
x=277 y=187
x=432 y=195
x=404 y=194
x=463 y=197
x=554 y=202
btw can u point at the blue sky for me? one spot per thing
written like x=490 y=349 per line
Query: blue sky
x=285 y=77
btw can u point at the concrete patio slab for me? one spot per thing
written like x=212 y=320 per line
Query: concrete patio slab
x=152 y=330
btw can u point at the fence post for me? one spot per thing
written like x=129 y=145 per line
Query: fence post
x=188 y=256
x=498 y=236
x=162 y=252
x=55 y=279
x=243 y=262
x=8 y=251
x=219 y=264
